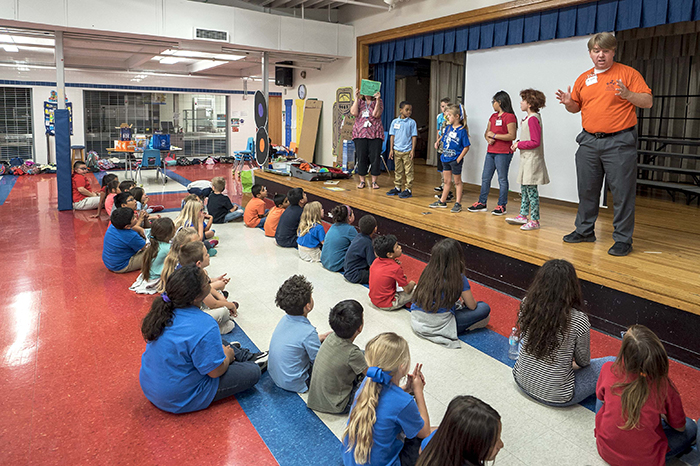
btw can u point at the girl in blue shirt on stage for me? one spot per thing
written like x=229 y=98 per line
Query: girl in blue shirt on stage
x=392 y=407
x=185 y=366
x=338 y=238
x=311 y=234
x=455 y=145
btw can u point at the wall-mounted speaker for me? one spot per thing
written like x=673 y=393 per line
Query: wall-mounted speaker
x=284 y=76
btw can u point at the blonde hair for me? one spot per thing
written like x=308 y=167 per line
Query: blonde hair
x=455 y=110
x=309 y=217
x=189 y=215
x=603 y=40
x=390 y=353
x=218 y=183
x=182 y=237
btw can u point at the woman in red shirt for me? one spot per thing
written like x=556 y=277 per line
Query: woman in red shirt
x=500 y=133
x=639 y=415
x=368 y=135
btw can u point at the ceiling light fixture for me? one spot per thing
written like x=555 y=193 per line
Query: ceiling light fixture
x=169 y=60
x=10 y=48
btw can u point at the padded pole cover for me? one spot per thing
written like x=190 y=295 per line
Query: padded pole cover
x=63 y=164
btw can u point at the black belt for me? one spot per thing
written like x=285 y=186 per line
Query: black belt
x=607 y=135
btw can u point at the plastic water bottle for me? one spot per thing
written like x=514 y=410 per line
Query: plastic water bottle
x=513 y=344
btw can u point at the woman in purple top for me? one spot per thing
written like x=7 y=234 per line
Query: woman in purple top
x=368 y=135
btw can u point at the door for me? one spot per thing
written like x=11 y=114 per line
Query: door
x=274 y=129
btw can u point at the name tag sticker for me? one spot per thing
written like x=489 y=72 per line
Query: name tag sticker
x=397 y=125
x=499 y=122
x=365 y=114
x=591 y=80
x=453 y=134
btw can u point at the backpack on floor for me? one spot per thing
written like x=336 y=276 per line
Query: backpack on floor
x=105 y=164
x=92 y=161
x=4 y=167
x=16 y=162
x=183 y=161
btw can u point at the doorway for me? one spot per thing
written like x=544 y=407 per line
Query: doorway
x=413 y=86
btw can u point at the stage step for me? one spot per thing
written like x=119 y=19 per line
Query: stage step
x=660 y=153
x=691 y=191
x=679 y=170
x=670 y=141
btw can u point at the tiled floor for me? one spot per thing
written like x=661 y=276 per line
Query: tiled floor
x=71 y=350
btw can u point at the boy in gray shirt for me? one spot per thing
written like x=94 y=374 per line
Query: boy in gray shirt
x=340 y=365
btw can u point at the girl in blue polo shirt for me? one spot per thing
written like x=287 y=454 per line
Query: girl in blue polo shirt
x=311 y=234
x=392 y=407
x=185 y=366
x=455 y=145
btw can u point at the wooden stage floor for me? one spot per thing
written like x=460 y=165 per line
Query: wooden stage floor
x=663 y=267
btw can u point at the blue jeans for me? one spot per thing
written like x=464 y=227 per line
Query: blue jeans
x=585 y=381
x=500 y=163
x=236 y=214
x=678 y=442
x=241 y=375
x=465 y=317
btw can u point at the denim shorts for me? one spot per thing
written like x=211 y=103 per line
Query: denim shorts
x=454 y=166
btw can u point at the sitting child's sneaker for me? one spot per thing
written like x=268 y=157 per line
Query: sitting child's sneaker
x=156 y=208
x=214 y=243
x=519 y=220
x=531 y=225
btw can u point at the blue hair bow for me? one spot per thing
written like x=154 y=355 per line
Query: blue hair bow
x=461 y=111
x=378 y=375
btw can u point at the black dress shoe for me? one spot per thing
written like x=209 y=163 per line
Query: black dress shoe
x=620 y=249
x=575 y=237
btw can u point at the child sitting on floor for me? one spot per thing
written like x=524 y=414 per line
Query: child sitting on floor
x=182 y=237
x=340 y=365
x=273 y=217
x=215 y=304
x=338 y=238
x=83 y=197
x=193 y=215
x=386 y=275
x=142 y=201
x=126 y=185
x=360 y=255
x=162 y=231
x=639 y=415
x=111 y=191
x=384 y=413
x=286 y=234
x=310 y=235
x=124 y=243
x=108 y=178
x=295 y=342
x=443 y=303
x=219 y=205
x=255 y=212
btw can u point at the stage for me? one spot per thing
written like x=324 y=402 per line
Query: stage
x=658 y=284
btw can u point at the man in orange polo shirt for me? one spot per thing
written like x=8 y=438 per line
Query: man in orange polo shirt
x=607 y=97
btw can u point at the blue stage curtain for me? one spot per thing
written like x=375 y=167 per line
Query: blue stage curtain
x=63 y=166
x=385 y=73
x=579 y=20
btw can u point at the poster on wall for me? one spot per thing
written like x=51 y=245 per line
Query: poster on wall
x=235 y=124
x=50 y=107
x=342 y=120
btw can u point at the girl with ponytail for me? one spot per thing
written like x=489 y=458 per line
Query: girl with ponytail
x=182 y=237
x=162 y=231
x=639 y=415
x=185 y=366
x=469 y=435
x=338 y=238
x=383 y=410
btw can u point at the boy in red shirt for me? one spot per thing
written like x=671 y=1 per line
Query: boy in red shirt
x=83 y=197
x=386 y=275
x=255 y=212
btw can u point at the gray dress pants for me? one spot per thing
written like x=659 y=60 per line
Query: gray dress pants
x=615 y=158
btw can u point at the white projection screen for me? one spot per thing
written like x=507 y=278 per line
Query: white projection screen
x=546 y=66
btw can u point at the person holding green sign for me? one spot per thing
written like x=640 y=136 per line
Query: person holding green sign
x=368 y=135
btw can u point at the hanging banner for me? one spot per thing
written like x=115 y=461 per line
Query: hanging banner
x=49 y=108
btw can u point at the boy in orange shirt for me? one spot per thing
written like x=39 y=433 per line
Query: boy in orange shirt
x=255 y=212
x=273 y=217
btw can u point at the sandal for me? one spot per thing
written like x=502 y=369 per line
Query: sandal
x=375 y=186
x=361 y=185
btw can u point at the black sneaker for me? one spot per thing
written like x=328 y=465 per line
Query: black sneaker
x=456 y=208
x=438 y=189
x=438 y=204
x=450 y=196
x=393 y=192
x=235 y=344
x=405 y=194
x=499 y=210
x=225 y=293
x=260 y=358
x=477 y=207
x=575 y=237
x=620 y=249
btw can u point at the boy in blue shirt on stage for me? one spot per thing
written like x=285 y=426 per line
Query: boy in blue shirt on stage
x=295 y=342
x=402 y=142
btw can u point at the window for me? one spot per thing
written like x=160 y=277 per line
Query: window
x=16 y=123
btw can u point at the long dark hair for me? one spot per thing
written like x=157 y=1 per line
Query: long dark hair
x=545 y=312
x=184 y=286
x=467 y=434
x=643 y=365
x=162 y=231
x=440 y=284
x=503 y=100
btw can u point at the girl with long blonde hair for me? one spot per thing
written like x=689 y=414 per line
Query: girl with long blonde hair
x=383 y=409
x=639 y=415
x=193 y=215
x=182 y=237
x=311 y=234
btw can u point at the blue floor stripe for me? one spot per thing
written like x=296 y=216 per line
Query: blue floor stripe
x=179 y=178
x=7 y=182
x=282 y=419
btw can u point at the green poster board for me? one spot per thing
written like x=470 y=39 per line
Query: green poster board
x=370 y=87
